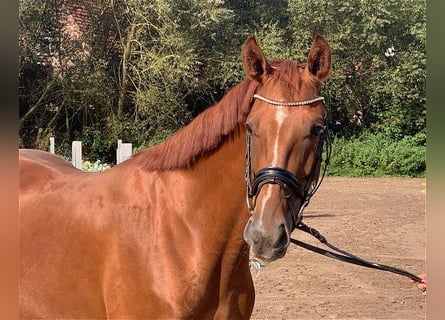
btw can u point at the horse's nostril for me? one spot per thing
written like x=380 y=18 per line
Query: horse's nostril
x=249 y=233
x=283 y=237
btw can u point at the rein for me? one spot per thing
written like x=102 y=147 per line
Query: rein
x=346 y=256
x=291 y=185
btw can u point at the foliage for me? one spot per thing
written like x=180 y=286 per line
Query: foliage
x=379 y=155
x=64 y=88
x=379 y=57
x=96 y=166
x=140 y=69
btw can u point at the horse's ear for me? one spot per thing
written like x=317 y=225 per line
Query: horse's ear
x=254 y=62
x=319 y=58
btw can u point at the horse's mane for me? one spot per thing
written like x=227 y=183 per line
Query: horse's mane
x=204 y=134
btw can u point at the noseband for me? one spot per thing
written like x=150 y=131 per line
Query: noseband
x=285 y=179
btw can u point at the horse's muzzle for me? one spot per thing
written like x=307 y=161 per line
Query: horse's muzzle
x=266 y=247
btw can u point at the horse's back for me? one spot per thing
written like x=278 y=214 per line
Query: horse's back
x=51 y=238
x=38 y=168
x=82 y=252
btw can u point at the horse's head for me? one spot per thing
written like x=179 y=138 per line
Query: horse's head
x=286 y=128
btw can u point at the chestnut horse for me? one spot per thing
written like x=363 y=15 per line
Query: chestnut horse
x=167 y=233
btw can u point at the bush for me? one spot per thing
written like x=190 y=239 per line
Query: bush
x=95 y=144
x=97 y=166
x=379 y=155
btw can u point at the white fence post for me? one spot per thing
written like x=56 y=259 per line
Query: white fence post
x=123 y=151
x=51 y=145
x=77 y=154
x=118 y=151
x=126 y=150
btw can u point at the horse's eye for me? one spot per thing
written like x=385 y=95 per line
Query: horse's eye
x=317 y=130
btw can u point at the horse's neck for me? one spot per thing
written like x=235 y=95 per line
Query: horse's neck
x=223 y=171
x=223 y=212
x=211 y=194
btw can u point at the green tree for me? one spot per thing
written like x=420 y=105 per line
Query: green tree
x=141 y=69
x=65 y=82
x=172 y=56
x=378 y=79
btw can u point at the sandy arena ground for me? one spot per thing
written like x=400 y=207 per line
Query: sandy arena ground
x=378 y=219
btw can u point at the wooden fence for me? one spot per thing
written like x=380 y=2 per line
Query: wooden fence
x=123 y=151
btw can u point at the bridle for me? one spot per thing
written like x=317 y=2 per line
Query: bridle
x=286 y=180
x=290 y=184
